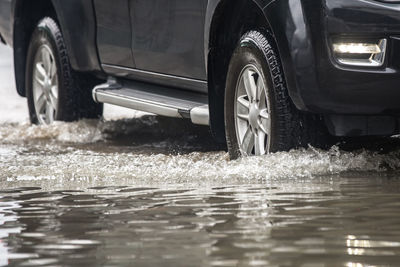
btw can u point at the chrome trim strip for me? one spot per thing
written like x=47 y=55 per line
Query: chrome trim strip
x=136 y=103
x=157 y=78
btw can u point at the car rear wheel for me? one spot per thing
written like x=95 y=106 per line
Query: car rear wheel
x=54 y=90
x=259 y=115
x=45 y=85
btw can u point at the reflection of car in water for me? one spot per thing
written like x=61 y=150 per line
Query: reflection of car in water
x=265 y=75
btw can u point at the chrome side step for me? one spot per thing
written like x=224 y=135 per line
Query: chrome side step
x=155 y=99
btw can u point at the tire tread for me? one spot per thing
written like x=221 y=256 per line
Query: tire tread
x=293 y=128
x=75 y=100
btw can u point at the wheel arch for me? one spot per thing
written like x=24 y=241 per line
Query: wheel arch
x=226 y=22
x=291 y=23
x=26 y=15
x=77 y=22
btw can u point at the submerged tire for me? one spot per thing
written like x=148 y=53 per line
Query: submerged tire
x=54 y=90
x=260 y=117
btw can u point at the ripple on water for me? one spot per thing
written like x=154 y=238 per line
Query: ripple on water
x=241 y=225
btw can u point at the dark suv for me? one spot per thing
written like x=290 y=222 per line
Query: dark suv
x=266 y=75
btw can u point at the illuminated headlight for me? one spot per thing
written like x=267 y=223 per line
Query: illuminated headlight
x=366 y=54
x=356 y=48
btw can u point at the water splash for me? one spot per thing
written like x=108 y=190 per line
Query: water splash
x=79 y=132
x=88 y=152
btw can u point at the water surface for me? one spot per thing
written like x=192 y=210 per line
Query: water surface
x=137 y=192
x=134 y=190
x=335 y=221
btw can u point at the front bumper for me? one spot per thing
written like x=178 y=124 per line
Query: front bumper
x=352 y=89
x=317 y=81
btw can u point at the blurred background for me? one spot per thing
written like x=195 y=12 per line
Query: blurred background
x=13 y=108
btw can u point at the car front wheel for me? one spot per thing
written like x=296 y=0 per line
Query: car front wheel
x=259 y=115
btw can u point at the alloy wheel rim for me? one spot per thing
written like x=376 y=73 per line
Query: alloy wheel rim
x=252 y=113
x=45 y=85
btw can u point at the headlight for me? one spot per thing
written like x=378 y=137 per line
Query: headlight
x=362 y=54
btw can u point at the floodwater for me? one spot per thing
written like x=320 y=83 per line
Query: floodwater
x=138 y=190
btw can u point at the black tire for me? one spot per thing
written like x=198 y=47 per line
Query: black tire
x=74 y=89
x=290 y=128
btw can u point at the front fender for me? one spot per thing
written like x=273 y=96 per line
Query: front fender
x=78 y=25
x=211 y=11
x=290 y=22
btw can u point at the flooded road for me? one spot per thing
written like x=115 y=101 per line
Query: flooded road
x=341 y=221
x=135 y=189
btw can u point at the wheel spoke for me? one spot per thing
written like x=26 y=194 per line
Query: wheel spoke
x=46 y=61
x=41 y=103
x=243 y=102
x=264 y=128
x=243 y=108
x=260 y=89
x=248 y=141
x=38 y=80
x=53 y=72
x=259 y=144
x=53 y=97
x=49 y=113
x=265 y=122
x=264 y=114
x=40 y=70
x=250 y=84
x=244 y=117
x=54 y=91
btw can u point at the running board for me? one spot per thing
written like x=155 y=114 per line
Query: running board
x=155 y=99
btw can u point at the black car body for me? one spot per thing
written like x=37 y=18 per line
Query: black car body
x=187 y=45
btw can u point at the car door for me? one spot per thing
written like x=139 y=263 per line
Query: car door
x=168 y=37
x=114 y=33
